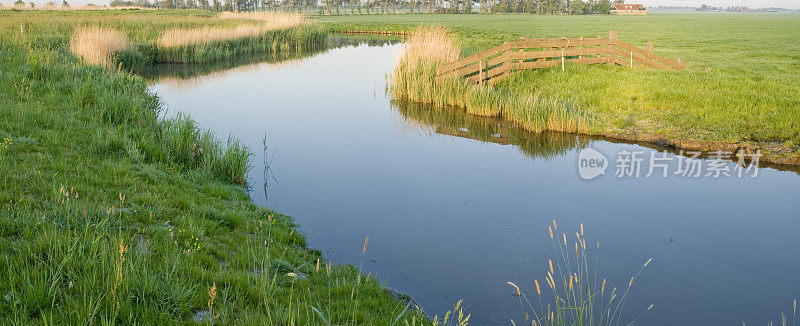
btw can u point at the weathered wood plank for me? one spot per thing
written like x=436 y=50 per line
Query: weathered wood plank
x=471 y=59
x=561 y=43
x=648 y=55
x=570 y=52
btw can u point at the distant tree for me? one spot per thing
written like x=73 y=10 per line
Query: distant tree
x=601 y=7
x=468 y=5
x=121 y=3
x=64 y=4
x=32 y=4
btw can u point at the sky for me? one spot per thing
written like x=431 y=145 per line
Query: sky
x=791 y=4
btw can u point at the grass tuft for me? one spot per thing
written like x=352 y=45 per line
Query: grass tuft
x=98 y=45
x=579 y=296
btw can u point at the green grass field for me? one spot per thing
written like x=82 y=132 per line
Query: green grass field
x=111 y=215
x=748 y=95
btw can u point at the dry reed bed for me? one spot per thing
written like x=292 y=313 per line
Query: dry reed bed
x=225 y=36
x=415 y=79
x=98 y=45
x=265 y=22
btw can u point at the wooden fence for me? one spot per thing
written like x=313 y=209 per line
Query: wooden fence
x=493 y=64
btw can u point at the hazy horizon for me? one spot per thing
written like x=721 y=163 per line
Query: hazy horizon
x=788 y=4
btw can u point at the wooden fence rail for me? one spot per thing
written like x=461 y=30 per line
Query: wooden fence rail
x=493 y=64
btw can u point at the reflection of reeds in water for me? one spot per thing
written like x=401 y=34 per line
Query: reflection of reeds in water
x=415 y=79
x=185 y=76
x=188 y=76
x=433 y=119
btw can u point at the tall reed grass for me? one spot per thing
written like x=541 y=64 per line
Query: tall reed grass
x=579 y=295
x=272 y=17
x=138 y=40
x=259 y=33
x=415 y=79
x=266 y=22
x=98 y=45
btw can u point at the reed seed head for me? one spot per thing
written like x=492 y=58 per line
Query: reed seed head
x=603 y=288
x=365 y=245
x=538 y=290
x=570 y=282
x=515 y=286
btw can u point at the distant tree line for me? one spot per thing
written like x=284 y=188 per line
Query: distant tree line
x=346 y=7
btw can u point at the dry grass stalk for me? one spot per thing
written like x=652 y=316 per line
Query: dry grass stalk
x=432 y=44
x=266 y=22
x=97 y=45
x=287 y=17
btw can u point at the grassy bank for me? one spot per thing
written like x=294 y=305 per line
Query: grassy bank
x=142 y=37
x=739 y=90
x=112 y=215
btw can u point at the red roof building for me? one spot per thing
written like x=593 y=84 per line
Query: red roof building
x=628 y=9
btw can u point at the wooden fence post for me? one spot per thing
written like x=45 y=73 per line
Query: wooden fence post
x=482 y=72
x=631 y=59
x=580 y=57
x=562 y=59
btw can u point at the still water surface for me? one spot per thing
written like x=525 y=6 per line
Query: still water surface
x=456 y=206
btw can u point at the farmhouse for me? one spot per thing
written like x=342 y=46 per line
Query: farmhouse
x=628 y=9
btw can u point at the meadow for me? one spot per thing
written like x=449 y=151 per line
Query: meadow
x=740 y=89
x=111 y=214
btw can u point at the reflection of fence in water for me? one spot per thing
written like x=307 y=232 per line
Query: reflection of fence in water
x=431 y=119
